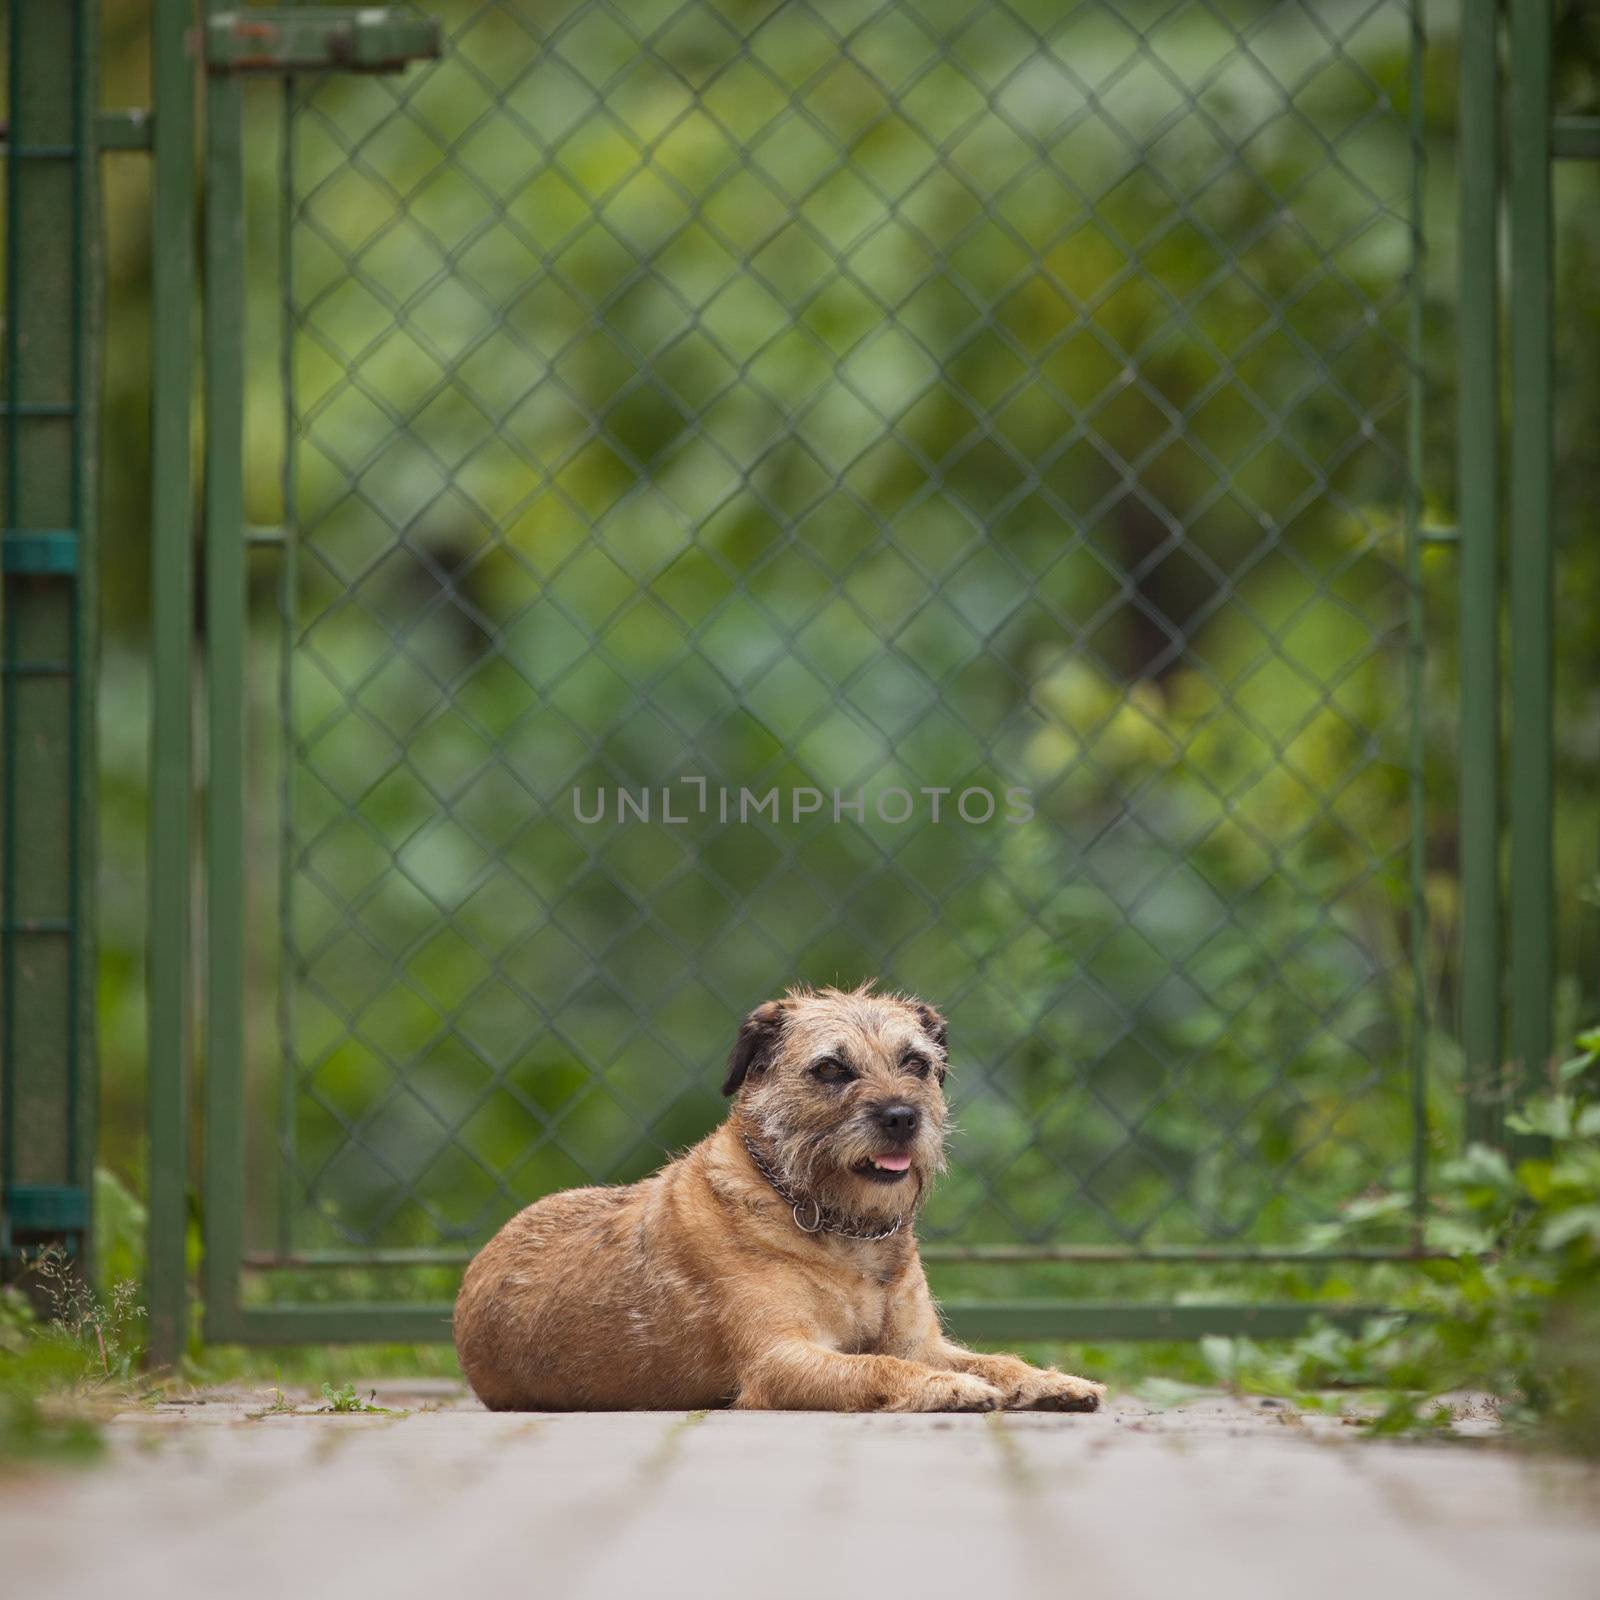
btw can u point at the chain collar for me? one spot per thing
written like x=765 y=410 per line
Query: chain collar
x=811 y=1216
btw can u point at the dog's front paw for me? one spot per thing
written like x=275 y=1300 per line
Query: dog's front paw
x=1049 y=1390
x=951 y=1391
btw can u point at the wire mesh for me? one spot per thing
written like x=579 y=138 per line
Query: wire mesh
x=689 y=402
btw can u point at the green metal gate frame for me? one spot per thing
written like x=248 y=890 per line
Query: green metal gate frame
x=1533 y=143
x=49 y=414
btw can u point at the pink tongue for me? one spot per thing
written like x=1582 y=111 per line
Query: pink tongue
x=892 y=1163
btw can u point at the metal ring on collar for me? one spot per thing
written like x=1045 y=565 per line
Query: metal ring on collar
x=815 y=1225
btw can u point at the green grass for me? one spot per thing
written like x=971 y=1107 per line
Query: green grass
x=345 y=1401
x=63 y=1372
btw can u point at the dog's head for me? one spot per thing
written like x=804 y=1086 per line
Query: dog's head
x=847 y=1091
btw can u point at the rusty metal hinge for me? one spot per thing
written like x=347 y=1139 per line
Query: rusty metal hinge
x=280 y=39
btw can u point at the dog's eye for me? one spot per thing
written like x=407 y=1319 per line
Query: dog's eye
x=917 y=1066
x=829 y=1070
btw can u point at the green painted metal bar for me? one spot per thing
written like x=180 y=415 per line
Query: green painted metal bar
x=127 y=129
x=1087 y=1322
x=331 y=1324
x=1417 y=1028
x=171 y=627
x=1478 y=516
x=1532 y=892
x=52 y=551
x=8 y=648
x=50 y=1209
x=288 y=592
x=1000 y=1320
x=227 y=626
x=976 y=1255
x=50 y=358
x=130 y=129
x=84 y=516
x=1575 y=139
x=61 y=667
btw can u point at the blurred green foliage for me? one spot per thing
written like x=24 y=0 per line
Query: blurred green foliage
x=846 y=396
x=1514 y=1314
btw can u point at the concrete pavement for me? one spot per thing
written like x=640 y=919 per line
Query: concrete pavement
x=1218 y=1497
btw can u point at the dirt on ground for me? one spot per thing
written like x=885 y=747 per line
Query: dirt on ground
x=229 y=1494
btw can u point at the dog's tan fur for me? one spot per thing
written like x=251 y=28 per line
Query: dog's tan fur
x=696 y=1287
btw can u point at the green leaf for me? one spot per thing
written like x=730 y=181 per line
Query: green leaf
x=1481 y=1164
x=1536 y=1179
x=1549 y=1116
x=1576 y=1067
x=1459 y=1236
x=1582 y=1222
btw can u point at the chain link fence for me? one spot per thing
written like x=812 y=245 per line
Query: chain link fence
x=708 y=419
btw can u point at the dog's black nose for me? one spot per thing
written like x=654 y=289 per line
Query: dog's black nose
x=899 y=1121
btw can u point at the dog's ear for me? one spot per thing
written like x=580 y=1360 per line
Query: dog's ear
x=933 y=1025
x=758 y=1039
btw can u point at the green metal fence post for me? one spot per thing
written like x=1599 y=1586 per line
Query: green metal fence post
x=171 y=629
x=1478 y=517
x=227 y=625
x=50 y=359
x=1416 y=638
x=1532 y=569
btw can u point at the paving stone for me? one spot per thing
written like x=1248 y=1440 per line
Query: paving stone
x=1214 y=1498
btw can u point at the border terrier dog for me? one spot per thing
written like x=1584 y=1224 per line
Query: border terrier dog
x=773 y=1266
